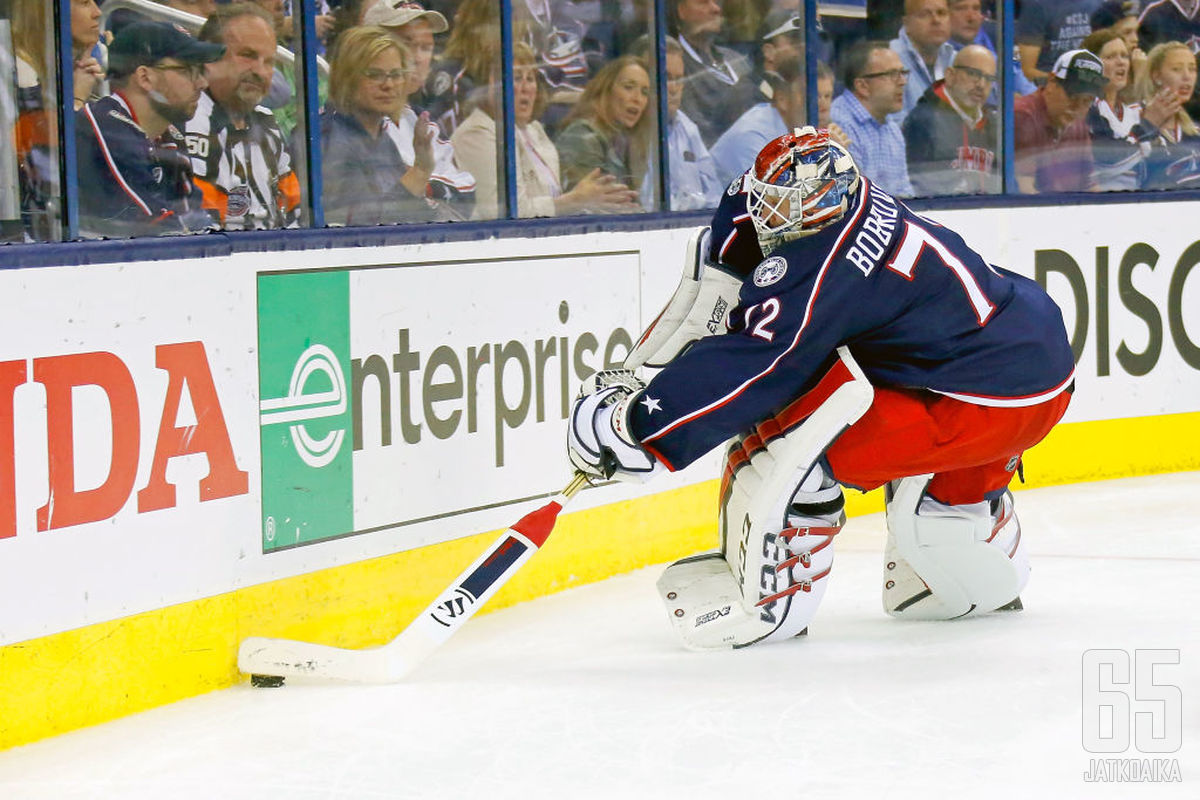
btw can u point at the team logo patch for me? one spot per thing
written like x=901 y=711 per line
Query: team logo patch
x=441 y=83
x=735 y=186
x=769 y=271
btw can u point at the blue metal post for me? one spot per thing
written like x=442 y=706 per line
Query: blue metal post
x=311 y=117
x=1007 y=23
x=68 y=163
x=509 y=165
x=660 y=80
x=811 y=38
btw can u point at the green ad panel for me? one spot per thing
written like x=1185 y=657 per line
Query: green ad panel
x=304 y=403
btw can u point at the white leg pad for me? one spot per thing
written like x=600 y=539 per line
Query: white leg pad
x=944 y=562
x=778 y=518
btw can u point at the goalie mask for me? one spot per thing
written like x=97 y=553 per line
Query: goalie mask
x=801 y=182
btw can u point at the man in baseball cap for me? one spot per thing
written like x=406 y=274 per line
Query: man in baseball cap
x=781 y=46
x=135 y=174
x=1080 y=72
x=1053 y=145
x=414 y=25
x=395 y=13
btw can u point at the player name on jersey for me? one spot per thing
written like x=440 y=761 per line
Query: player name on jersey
x=875 y=236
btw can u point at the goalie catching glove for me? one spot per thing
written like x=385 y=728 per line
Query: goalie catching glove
x=598 y=438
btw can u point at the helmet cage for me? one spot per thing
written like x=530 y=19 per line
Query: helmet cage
x=805 y=187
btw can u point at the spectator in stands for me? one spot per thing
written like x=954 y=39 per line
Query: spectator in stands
x=953 y=134
x=762 y=122
x=458 y=82
x=875 y=80
x=1053 y=145
x=365 y=180
x=924 y=48
x=825 y=81
x=539 y=186
x=555 y=34
x=609 y=128
x=1170 y=21
x=1123 y=132
x=693 y=172
x=450 y=188
x=134 y=176
x=35 y=135
x=1175 y=162
x=416 y=26
x=1048 y=28
x=782 y=42
x=1121 y=16
x=85 y=39
x=967 y=27
x=718 y=86
x=240 y=158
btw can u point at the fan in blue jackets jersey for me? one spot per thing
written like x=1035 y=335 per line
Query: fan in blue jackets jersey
x=970 y=363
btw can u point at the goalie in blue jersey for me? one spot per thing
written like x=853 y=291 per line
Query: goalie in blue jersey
x=828 y=336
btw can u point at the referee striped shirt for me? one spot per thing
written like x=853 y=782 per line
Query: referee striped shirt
x=245 y=172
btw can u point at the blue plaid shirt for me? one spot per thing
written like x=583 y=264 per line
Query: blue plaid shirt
x=877 y=147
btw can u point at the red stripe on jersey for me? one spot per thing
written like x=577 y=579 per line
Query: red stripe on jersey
x=112 y=166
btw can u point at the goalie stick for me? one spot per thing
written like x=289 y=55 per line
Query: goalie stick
x=266 y=658
x=690 y=314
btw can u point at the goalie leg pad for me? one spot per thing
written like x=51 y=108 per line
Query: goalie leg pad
x=779 y=513
x=944 y=562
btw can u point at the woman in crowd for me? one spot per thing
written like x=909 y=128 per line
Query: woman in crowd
x=1175 y=162
x=539 y=186
x=609 y=128
x=366 y=182
x=36 y=131
x=1123 y=132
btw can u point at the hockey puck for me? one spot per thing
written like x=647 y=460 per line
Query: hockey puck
x=266 y=681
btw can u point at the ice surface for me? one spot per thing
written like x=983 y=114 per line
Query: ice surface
x=585 y=694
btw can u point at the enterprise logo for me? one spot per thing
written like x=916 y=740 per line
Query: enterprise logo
x=301 y=405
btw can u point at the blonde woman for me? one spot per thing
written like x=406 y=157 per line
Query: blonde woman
x=539 y=182
x=609 y=128
x=366 y=182
x=1175 y=164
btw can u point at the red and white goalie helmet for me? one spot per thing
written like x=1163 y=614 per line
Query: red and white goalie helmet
x=801 y=182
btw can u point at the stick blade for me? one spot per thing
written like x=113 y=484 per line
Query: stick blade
x=286 y=658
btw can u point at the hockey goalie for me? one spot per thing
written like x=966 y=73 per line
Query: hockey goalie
x=826 y=336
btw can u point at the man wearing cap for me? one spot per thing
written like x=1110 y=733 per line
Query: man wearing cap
x=135 y=179
x=924 y=48
x=781 y=43
x=239 y=155
x=952 y=133
x=1052 y=143
x=449 y=184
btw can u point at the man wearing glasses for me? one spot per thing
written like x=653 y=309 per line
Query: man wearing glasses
x=951 y=134
x=135 y=178
x=875 y=79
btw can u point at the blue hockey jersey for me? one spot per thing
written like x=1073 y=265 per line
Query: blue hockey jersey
x=917 y=307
